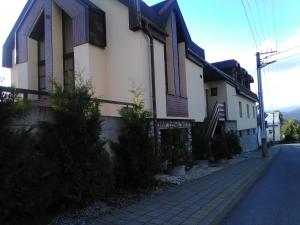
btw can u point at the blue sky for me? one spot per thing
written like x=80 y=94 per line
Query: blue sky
x=221 y=28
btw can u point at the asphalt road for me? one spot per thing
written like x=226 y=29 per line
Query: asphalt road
x=275 y=198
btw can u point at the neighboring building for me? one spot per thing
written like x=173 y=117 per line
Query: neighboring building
x=229 y=83
x=274 y=132
x=118 y=44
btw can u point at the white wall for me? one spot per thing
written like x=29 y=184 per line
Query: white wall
x=277 y=133
x=195 y=91
x=227 y=93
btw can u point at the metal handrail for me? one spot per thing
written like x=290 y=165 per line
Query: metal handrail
x=214 y=118
x=27 y=92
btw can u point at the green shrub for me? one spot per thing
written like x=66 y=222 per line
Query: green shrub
x=233 y=143
x=291 y=131
x=20 y=163
x=73 y=143
x=63 y=165
x=173 y=148
x=135 y=162
x=201 y=148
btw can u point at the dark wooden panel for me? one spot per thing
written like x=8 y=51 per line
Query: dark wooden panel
x=134 y=15
x=175 y=56
x=177 y=106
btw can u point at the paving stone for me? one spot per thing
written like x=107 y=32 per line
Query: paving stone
x=196 y=202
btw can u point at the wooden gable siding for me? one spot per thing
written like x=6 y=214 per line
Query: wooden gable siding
x=78 y=13
x=177 y=106
x=25 y=29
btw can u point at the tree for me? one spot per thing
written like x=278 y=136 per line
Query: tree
x=292 y=131
x=135 y=163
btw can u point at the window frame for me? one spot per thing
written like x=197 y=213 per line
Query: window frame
x=241 y=109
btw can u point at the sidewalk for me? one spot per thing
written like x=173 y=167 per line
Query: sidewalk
x=203 y=201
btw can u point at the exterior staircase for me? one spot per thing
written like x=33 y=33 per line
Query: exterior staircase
x=218 y=114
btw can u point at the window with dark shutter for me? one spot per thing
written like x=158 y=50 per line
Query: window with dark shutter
x=97 y=28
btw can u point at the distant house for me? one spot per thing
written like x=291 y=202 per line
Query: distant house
x=118 y=43
x=274 y=129
x=227 y=82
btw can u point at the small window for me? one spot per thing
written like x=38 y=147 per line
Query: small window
x=248 y=131
x=270 y=132
x=214 y=91
x=241 y=133
x=248 y=111
x=253 y=111
x=241 y=109
x=254 y=131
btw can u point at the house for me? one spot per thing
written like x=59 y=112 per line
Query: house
x=228 y=83
x=274 y=132
x=121 y=44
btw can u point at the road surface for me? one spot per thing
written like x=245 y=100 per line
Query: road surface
x=275 y=198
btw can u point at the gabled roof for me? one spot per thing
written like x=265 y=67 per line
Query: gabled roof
x=10 y=41
x=227 y=64
x=221 y=70
x=159 y=15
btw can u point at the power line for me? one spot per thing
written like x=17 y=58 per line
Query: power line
x=253 y=22
x=260 y=20
x=274 y=23
x=288 y=57
x=249 y=24
x=283 y=51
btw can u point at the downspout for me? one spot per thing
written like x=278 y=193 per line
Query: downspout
x=147 y=31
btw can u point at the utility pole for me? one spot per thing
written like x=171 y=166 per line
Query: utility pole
x=259 y=66
x=273 y=127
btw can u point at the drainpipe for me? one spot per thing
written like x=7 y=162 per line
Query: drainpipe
x=147 y=31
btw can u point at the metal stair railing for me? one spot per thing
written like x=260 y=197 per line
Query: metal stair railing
x=218 y=114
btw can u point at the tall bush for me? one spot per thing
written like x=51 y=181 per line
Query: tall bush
x=18 y=164
x=135 y=162
x=233 y=143
x=63 y=165
x=173 y=148
x=73 y=142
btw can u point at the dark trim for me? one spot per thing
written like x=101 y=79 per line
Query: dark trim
x=166 y=69
x=177 y=106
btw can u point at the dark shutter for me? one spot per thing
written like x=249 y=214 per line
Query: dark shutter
x=97 y=28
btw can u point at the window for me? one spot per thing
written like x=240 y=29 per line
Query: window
x=214 y=91
x=270 y=132
x=254 y=131
x=241 y=109
x=248 y=131
x=253 y=111
x=241 y=133
x=41 y=65
x=248 y=111
x=68 y=52
x=97 y=28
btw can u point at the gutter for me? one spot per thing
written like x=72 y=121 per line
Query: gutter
x=145 y=28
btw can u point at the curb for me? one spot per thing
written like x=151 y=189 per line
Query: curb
x=239 y=190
